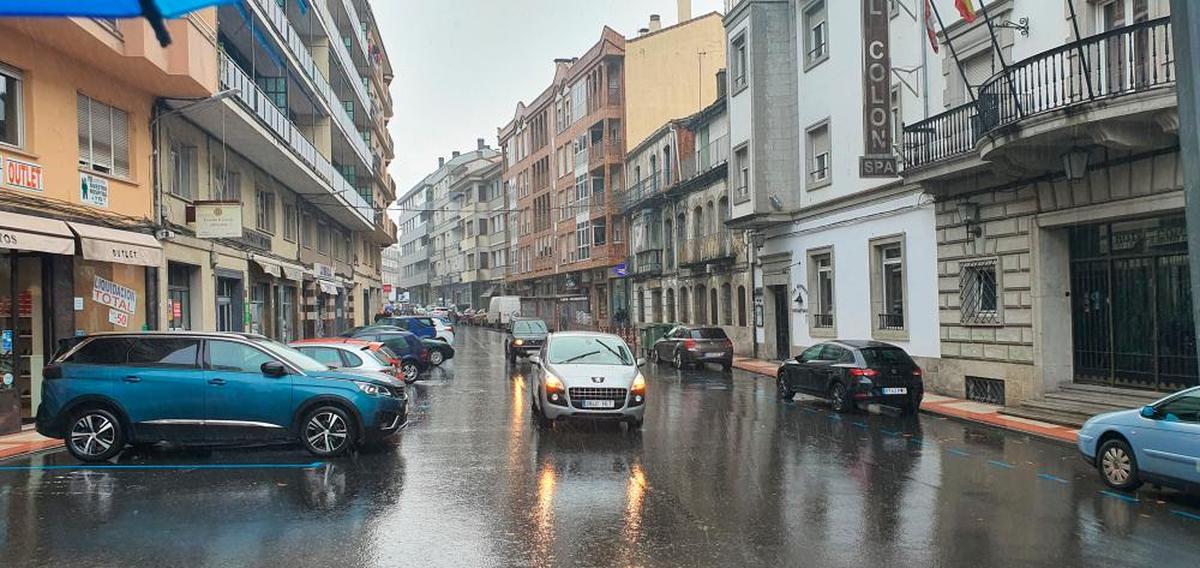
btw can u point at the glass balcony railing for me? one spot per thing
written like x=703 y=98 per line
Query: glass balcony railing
x=715 y=154
x=343 y=54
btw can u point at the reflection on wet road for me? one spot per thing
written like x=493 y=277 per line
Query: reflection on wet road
x=723 y=474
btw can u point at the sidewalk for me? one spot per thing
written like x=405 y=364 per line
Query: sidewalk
x=951 y=407
x=25 y=442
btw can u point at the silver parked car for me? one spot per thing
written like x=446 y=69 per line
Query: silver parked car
x=587 y=375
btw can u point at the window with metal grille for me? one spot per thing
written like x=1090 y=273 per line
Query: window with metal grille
x=990 y=391
x=103 y=137
x=978 y=293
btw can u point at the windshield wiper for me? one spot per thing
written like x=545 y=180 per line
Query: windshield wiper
x=613 y=351
x=578 y=357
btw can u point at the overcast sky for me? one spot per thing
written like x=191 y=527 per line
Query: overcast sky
x=461 y=65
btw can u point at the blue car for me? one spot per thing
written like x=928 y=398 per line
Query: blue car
x=1159 y=444
x=110 y=390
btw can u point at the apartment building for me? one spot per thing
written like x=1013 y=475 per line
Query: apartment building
x=390 y=269
x=564 y=159
x=1061 y=245
x=273 y=192
x=416 y=209
x=455 y=216
x=77 y=245
x=483 y=217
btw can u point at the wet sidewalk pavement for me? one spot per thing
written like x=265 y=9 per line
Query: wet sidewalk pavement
x=950 y=406
x=25 y=442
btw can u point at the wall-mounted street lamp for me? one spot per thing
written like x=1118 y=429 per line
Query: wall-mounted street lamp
x=969 y=214
x=1075 y=163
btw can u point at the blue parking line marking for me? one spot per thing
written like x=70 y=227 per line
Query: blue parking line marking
x=1048 y=477
x=1186 y=515
x=1125 y=498
x=957 y=452
x=127 y=467
x=862 y=425
x=834 y=417
x=809 y=410
x=998 y=463
x=890 y=433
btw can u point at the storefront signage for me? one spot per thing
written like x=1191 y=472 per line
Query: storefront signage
x=93 y=190
x=176 y=310
x=118 y=318
x=23 y=175
x=387 y=289
x=322 y=270
x=877 y=159
x=218 y=220
x=114 y=295
x=79 y=303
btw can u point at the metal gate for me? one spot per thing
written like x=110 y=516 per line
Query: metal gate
x=1131 y=305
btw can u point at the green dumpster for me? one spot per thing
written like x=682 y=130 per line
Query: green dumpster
x=651 y=333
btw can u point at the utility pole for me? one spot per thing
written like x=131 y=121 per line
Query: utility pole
x=1186 y=33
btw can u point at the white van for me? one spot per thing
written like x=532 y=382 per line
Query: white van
x=502 y=309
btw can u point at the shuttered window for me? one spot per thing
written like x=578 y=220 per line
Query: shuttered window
x=103 y=137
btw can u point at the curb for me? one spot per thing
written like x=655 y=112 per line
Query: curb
x=26 y=448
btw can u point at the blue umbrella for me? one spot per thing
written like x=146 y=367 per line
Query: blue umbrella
x=153 y=10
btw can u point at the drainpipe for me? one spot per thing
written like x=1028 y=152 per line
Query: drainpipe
x=753 y=289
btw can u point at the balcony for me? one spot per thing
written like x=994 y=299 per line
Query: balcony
x=604 y=152
x=1049 y=101
x=714 y=248
x=709 y=158
x=648 y=262
x=641 y=192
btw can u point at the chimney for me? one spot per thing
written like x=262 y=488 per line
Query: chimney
x=479 y=143
x=655 y=22
x=441 y=161
x=722 y=88
x=643 y=32
x=685 y=10
x=453 y=154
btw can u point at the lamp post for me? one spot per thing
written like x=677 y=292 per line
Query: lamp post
x=1185 y=24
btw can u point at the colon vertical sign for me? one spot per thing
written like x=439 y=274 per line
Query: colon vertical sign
x=877 y=159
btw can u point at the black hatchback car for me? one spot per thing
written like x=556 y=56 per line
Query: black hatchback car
x=525 y=337
x=849 y=373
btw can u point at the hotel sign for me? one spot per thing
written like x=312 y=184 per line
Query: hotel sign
x=877 y=159
x=217 y=219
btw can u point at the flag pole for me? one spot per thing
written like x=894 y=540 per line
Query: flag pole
x=953 y=52
x=987 y=18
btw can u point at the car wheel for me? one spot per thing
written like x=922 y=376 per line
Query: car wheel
x=327 y=431
x=96 y=435
x=1118 y=466
x=540 y=420
x=436 y=357
x=785 y=392
x=410 y=372
x=655 y=357
x=839 y=398
x=677 y=361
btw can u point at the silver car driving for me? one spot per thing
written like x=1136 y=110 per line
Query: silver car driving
x=587 y=375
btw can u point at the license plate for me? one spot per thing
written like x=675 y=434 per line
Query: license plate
x=713 y=355
x=599 y=404
x=895 y=390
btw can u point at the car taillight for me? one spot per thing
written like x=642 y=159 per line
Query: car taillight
x=450 y=328
x=729 y=343
x=863 y=373
x=917 y=372
x=689 y=344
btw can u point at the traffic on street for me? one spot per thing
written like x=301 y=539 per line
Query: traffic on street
x=721 y=473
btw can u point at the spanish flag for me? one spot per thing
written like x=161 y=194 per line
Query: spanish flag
x=966 y=8
x=931 y=26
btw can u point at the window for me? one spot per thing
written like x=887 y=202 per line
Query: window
x=1185 y=408
x=887 y=282
x=306 y=231
x=726 y=304
x=816 y=34
x=179 y=353
x=325 y=355
x=10 y=107
x=836 y=354
x=741 y=306
x=264 y=211
x=978 y=68
x=275 y=89
x=897 y=117
x=102 y=351
x=738 y=63
x=322 y=237
x=820 y=287
x=599 y=235
x=179 y=296
x=812 y=353
x=103 y=137
x=817 y=151
x=977 y=292
x=226 y=185
x=183 y=171
x=483 y=260
x=289 y=222
x=235 y=357
x=583 y=240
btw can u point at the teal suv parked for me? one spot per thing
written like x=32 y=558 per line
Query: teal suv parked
x=109 y=390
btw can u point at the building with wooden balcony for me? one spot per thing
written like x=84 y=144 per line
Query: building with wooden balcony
x=1061 y=244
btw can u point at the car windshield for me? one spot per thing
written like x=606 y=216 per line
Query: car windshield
x=535 y=326
x=292 y=356
x=590 y=351
x=708 y=333
x=886 y=357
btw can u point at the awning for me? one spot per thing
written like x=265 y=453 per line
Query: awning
x=27 y=232
x=328 y=287
x=292 y=272
x=269 y=268
x=114 y=245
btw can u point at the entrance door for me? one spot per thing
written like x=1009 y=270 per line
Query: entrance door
x=1125 y=62
x=783 y=340
x=229 y=304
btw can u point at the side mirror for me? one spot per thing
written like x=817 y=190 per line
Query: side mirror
x=641 y=362
x=1149 y=411
x=274 y=369
x=798 y=359
x=535 y=360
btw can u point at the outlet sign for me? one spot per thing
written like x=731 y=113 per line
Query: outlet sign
x=878 y=159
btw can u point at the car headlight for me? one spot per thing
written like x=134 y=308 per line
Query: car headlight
x=639 y=383
x=553 y=383
x=372 y=389
x=518 y=342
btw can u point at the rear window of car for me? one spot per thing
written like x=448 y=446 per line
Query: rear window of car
x=102 y=351
x=529 y=327
x=709 y=333
x=886 y=356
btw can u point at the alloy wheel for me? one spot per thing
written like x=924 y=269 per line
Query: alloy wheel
x=410 y=372
x=93 y=434
x=436 y=357
x=1116 y=465
x=678 y=360
x=838 y=397
x=327 y=432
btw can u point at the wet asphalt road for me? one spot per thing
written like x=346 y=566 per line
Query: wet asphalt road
x=723 y=474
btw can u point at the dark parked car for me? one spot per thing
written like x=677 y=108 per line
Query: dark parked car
x=685 y=346
x=849 y=373
x=439 y=351
x=525 y=337
x=405 y=345
x=113 y=389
